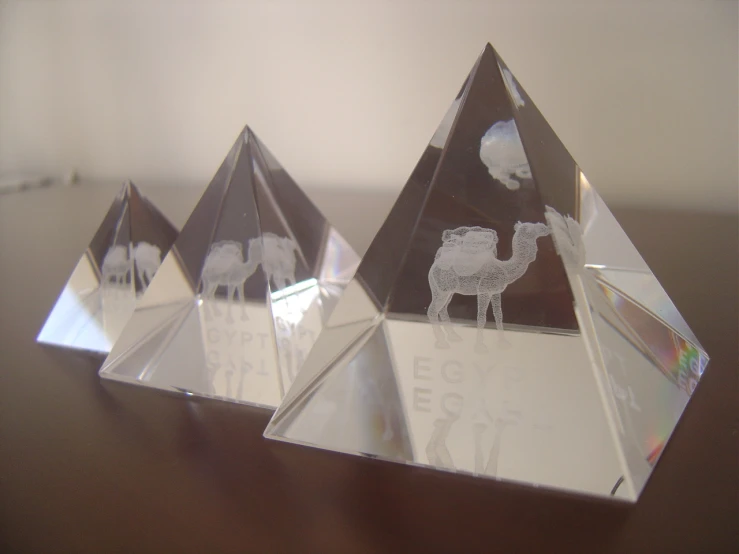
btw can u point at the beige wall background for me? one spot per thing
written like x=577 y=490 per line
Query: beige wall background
x=347 y=94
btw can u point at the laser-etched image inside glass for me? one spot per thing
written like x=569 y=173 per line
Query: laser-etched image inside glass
x=239 y=301
x=114 y=271
x=501 y=323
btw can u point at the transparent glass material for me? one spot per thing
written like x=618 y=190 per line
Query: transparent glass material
x=501 y=323
x=244 y=292
x=114 y=271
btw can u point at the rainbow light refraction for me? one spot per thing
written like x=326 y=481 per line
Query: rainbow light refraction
x=678 y=359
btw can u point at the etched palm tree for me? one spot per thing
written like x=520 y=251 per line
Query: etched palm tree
x=568 y=239
x=507 y=418
x=437 y=450
x=468 y=265
x=148 y=258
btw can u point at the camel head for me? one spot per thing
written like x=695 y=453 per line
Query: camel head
x=533 y=230
x=290 y=245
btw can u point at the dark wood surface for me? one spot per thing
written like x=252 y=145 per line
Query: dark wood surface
x=91 y=466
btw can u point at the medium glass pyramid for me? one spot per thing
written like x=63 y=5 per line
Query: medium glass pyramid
x=501 y=323
x=114 y=271
x=244 y=292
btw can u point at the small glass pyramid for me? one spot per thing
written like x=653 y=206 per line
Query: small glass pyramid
x=244 y=292
x=114 y=271
x=501 y=323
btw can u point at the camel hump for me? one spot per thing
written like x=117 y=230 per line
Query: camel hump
x=224 y=253
x=226 y=248
x=117 y=254
x=276 y=249
x=467 y=249
x=479 y=241
x=145 y=251
x=460 y=232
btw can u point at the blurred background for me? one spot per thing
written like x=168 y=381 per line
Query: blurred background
x=347 y=93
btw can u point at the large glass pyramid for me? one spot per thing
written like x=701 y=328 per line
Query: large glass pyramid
x=113 y=272
x=501 y=323
x=244 y=292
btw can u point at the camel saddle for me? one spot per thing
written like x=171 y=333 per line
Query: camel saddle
x=468 y=253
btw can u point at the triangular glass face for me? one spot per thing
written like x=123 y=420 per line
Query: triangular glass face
x=115 y=271
x=501 y=323
x=243 y=294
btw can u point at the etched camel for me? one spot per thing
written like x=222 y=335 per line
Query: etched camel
x=116 y=265
x=225 y=266
x=278 y=259
x=148 y=258
x=468 y=265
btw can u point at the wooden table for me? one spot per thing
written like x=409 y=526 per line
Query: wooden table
x=91 y=466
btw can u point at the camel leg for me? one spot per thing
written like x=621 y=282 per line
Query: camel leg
x=210 y=297
x=479 y=429
x=287 y=353
x=240 y=294
x=204 y=297
x=438 y=299
x=240 y=389
x=498 y=313
x=209 y=293
x=451 y=334
x=229 y=301
x=229 y=376
x=483 y=299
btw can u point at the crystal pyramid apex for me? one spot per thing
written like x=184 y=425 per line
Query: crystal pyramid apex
x=249 y=133
x=133 y=192
x=248 y=136
x=129 y=188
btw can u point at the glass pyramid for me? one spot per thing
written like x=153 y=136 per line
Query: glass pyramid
x=501 y=323
x=114 y=271
x=244 y=292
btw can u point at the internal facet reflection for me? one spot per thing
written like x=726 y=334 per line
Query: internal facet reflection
x=501 y=323
x=115 y=270
x=506 y=414
x=239 y=302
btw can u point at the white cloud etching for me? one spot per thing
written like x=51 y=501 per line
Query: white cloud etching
x=510 y=83
x=502 y=153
